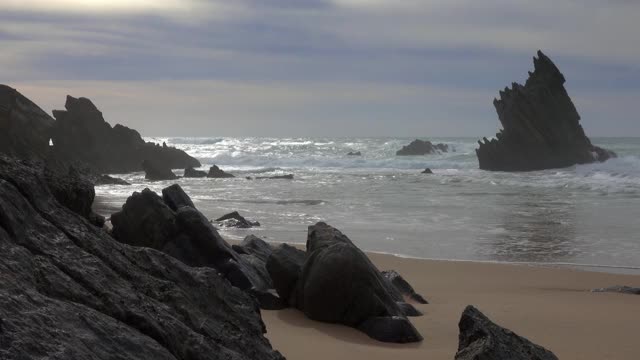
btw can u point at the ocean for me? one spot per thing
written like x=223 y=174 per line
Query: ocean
x=585 y=216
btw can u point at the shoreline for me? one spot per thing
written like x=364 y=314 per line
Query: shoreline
x=553 y=307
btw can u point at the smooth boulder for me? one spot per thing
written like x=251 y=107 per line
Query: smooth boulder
x=481 y=339
x=284 y=266
x=541 y=126
x=403 y=287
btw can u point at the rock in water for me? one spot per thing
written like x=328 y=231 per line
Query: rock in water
x=427 y=171
x=419 y=147
x=25 y=129
x=217 y=173
x=234 y=219
x=354 y=153
x=155 y=171
x=109 y=180
x=277 y=177
x=81 y=134
x=541 y=128
x=339 y=284
x=481 y=339
x=70 y=291
x=193 y=173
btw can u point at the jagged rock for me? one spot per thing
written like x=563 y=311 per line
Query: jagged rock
x=481 y=339
x=254 y=246
x=74 y=191
x=109 y=180
x=284 y=266
x=427 y=171
x=541 y=128
x=25 y=129
x=81 y=134
x=419 y=147
x=620 y=289
x=173 y=226
x=339 y=284
x=193 y=173
x=403 y=287
x=357 y=153
x=157 y=171
x=277 y=177
x=216 y=172
x=70 y=291
x=234 y=219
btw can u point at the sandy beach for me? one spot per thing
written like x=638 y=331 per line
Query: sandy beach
x=552 y=307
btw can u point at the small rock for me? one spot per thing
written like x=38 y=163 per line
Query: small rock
x=217 y=173
x=357 y=153
x=278 y=177
x=156 y=172
x=109 y=180
x=193 y=173
x=620 y=289
x=427 y=171
x=234 y=219
x=419 y=147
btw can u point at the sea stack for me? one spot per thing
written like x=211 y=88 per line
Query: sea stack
x=541 y=126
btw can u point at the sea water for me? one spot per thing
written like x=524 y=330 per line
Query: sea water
x=585 y=214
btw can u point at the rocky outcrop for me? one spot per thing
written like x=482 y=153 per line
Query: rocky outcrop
x=70 y=291
x=234 y=219
x=337 y=283
x=276 y=177
x=25 y=129
x=541 y=126
x=620 y=289
x=356 y=153
x=419 y=147
x=174 y=226
x=81 y=134
x=193 y=173
x=109 y=180
x=481 y=339
x=155 y=171
x=217 y=173
x=427 y=171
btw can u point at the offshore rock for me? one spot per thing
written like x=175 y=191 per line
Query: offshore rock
x=481 y=339
x=427 y=171
x=80 y=134
x=419 y=147
x=217 y=173
x=109 y=180
x=155 y=171
x=193 y=173
x=234 y=219
x=541 y=128
x=70 y=291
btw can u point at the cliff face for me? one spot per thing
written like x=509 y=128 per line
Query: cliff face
x=25 y=129
x=81 y=134
x=68 y=290
x=541 y=126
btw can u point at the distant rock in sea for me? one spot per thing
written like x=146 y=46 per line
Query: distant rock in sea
x=357 y=153
x=420 y=147
x=277 y=177
x=193 y=173
x=480 y=338
x=155 y=171
x=80 y=134
x=541 y=128
x=234 y=219
x=109 y=180
x=217 y=173
x=427 y=171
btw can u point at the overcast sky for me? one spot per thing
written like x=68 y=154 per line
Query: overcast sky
x=319 y=67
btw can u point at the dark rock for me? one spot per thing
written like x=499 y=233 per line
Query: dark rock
x=25 y=129
x=419 y=147
x=82 y=135
x=109 y=180
x=403 y=287
x=482 y=339
x=70 y=291
x=175 y=227
x=541 y=128
x=253 y=245
x=277 y=177
x=176 y=198
x=284 y=266
x=157 y=171
x=74 y=191
x=193 y=173
x=234 y=219
x=216 y=172
x=427 y=171
x=357 y=153
x=620 y=289
x=339 y=284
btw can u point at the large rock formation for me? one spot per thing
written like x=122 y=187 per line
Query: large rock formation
x=419 y=147
x=541 y=128
x=25 y=129
x=155 y=171
x=70 y=291
x=217 y=173
x=337 y=283
x=481 y=339
x=81 y=134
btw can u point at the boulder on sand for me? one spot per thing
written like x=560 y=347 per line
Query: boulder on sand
x=70 y=291
x=620 y=289
x=234 y=219
x=285 y=266
x=541 y=126
x=217 y=173
x=156 y=171
x=481 y=339
x=193 y=173
x=403 y=287
x=419 y=147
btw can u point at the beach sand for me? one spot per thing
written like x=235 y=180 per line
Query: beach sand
x=552 y=307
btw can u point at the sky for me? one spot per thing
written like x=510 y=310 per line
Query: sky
x=415 y=68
